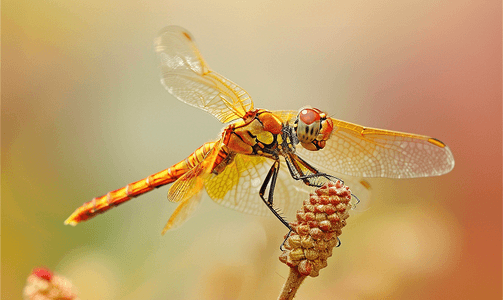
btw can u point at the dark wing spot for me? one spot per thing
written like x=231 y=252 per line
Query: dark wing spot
x=187 y=36
x=436 y=142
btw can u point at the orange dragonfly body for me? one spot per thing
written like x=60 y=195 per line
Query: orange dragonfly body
x=258 y=144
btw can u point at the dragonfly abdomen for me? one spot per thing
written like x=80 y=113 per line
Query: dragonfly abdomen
x=103 y=203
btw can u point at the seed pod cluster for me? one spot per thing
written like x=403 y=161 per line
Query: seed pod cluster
x=319 y=223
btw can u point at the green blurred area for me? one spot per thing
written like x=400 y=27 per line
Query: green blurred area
x=83 y=113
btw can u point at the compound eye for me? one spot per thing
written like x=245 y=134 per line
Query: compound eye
x=308 y=116
x=308 y=125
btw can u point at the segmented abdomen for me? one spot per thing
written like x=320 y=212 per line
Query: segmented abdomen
x=101 y=204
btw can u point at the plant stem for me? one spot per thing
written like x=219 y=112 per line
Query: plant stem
x=291 y=285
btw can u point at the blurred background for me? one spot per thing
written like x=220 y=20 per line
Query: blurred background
x=84 y=113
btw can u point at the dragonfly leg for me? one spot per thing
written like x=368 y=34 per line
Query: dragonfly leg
x=316 y=174
x=270 y=180
x=357 y=200
x=286 y=238
x=294 y=164
x=297 y=174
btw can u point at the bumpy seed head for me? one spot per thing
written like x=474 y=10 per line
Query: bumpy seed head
x=319 y=223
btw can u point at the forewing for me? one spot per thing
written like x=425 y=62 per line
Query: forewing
x=186 y=75
x=287 y=116
x=238 y=186
x=367 y=152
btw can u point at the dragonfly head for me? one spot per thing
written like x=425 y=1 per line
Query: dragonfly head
x=313 y=128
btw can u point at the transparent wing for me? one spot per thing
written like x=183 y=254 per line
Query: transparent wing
x=183 y=211
x=361 y=191
x=186 y=75
x=367 y=152
x=238 y=186
x=186 y=190
x=187 y=185
x=288 y=116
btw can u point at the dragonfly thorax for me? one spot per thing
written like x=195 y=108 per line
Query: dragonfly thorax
x=257 y=133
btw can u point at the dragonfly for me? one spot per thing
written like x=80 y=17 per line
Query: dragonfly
x=261 y=153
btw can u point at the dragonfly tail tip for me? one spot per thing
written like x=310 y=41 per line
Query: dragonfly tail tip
x=69 y=221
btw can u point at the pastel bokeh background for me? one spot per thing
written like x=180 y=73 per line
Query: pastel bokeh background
x=83 y=113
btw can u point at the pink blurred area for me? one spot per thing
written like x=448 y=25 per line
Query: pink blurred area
x=83 y=113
